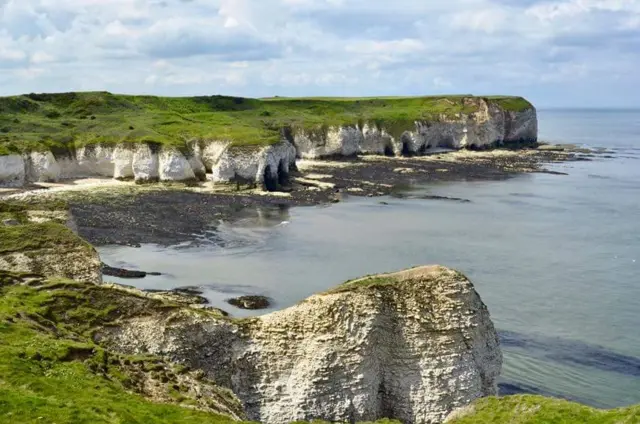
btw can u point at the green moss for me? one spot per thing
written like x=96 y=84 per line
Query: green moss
x=47 y=235
x=541 y=410
x=65 y=121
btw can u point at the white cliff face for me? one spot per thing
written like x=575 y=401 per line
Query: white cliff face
x=521 y=127
x=174 y=166
x=262 y=166
x=211 y=153
x=196 y=164
x=335 y=141
x=489 y=126
x=413 y=346
x=142 y=162
x=12 y=171
x=88 y=161
x=145 y=164
x=123 y=162
x=42 y=167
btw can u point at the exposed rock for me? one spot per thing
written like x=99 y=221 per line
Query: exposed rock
x=42 y=166
x=121 y=272
x=413 y=345
x=10 y=222
x=489 y=126
x=175 y=167
x=268 y=167
x=12 y=171
x=183 y=295
x=250 y=302
x=79 y=263
x=45 y=245
x=123 y=162
x=146 y=164
x=399 y=195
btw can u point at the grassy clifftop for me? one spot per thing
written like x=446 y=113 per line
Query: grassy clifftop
x=541 y=410
x=67 y=120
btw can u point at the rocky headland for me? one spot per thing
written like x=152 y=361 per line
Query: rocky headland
x=54 y=137
x=417 y=346
x=392 y=345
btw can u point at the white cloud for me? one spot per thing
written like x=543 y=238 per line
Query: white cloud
x=539 y=48
x=41 y=57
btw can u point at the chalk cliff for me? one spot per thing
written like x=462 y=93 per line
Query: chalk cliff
x=479 y=123
x=413 y=345
x=489 y=126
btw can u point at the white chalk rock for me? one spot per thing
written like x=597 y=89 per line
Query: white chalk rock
x=42 y=167
x=174 y=166
x=123 y=162
x=411 y=346
x=211 y=153
x=199 y=170
x=145 y=164
x=376 y=141
x=89 y=161
x=261 y=166
x=12 y=171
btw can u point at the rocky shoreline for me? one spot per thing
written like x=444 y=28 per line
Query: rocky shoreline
x=146 y=214
x=415 y=345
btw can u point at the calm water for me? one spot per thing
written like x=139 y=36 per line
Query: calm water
x=556 y=258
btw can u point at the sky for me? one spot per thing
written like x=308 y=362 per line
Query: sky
x=561 y=53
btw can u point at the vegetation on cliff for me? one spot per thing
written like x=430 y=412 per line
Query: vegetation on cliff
x=525 y=409
x=52 y=371
x=39 y=225
x=65 y=121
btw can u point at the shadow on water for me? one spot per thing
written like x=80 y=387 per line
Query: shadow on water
x=572 y=353
x=509 y=388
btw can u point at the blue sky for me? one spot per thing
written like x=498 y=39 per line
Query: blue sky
x=556 y=53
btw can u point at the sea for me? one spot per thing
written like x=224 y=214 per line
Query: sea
x=556 y=258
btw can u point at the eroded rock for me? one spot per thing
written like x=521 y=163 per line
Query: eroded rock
x=413 y=345
x=250 y=302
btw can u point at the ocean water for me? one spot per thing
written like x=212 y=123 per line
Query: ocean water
x=555 y=258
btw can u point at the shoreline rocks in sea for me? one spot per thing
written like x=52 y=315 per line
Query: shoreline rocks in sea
x=251 y=302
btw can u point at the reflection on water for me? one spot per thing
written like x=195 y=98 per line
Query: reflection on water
x=556 y=259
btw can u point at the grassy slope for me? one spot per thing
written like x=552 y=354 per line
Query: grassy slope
x=541 y=410
x=50 y=371
x=32 y=236
x=61 y=121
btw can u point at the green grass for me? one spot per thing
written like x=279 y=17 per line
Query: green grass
x=62 y=122
x=525 y=409
x=39 y=236
x=33 y=236
x=50 y=372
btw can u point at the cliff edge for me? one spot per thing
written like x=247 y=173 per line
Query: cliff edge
x=53 y=137
x=412 y=345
